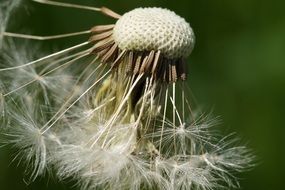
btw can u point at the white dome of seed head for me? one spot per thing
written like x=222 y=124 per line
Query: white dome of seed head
x=146 y=29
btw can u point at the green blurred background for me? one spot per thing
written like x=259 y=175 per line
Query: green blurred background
x=237 y=70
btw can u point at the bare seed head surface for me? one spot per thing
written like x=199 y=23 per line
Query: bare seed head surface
x=147 y=29
x=155 y=41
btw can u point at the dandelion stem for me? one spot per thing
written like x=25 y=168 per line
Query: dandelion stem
x=143 y=101
x=33 y=37
x=152 y=103
x=176 y=111
x=163 y=120
x=174 y=115
x=154 y=122
x=183 y=102
x=103 y=10
x=67 y=5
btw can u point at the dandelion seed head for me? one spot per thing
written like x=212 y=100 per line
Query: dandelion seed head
x=146 y=29
x=115 y=123
x=152 y=41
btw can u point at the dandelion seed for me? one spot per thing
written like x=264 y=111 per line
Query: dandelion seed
x=6 y=9
x=24 y=135
x=2 y=108
x=115 y=110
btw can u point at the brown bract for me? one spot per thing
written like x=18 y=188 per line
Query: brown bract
x=152 y=63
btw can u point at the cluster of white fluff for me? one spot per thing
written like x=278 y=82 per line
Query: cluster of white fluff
x=73 y=116
x=6 y=8
x=190 y=156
